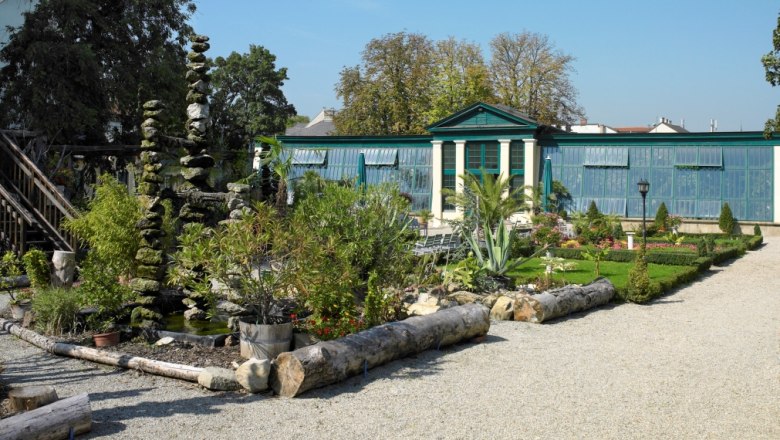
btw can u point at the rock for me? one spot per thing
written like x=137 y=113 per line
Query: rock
x=439 y=291
x=150 y=156
x=189 y=302
x=464 y=297
x=195 y=57
x=193 y=76
x=164 y=341
x=200 y=46
x=218 y=379
x=149 y=234
x=148 y=188
x=153 y=167
x=253 y=375
x=195 y=314
x=195 y=38
x=63 y=268
x=147 y=145
x=232 y=323
x=151 y=272
x=422 y=309
x=151 y=177
x=428 y=299
x=149 y=257
x=200 y=125
x=154 y=104
x=144 y=284
x=203 y=160
x=301 y=340
x=238 y=188
x=231 y=341
x=28 y=319
x=231 y=308
x=195 y=174
x=149 y=222
x=238 y=214
x=149 y=133
x=503 y=309
x=200 y=98
x=446 y=304
x=155 y=114
x=197 y=111
x=198 y=67
x=489 y=301
x=149 y=122
x=236 y=203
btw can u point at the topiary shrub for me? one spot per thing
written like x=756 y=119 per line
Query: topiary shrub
x=662 y=218
x=726 y=221
x=639 y=288
x=593 y=212
x=37 y=268
x=757 y=230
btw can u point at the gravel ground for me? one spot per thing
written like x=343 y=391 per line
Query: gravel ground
x=703 y=362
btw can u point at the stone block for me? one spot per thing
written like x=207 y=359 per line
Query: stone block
x=200 y=46
x=503 y=309
x=253 y=375
x=144 y=285
x=195 y=57
x=194 y=314
x=197 y=111
x=218 y=379
x=149 y=257
x=463 y=297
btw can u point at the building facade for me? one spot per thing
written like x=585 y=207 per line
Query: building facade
x=693 y=173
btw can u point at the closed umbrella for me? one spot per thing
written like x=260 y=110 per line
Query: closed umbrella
x=547 y=183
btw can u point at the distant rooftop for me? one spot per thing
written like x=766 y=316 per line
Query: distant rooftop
x=321 y=125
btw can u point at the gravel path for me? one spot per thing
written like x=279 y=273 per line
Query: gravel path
x=703 y=362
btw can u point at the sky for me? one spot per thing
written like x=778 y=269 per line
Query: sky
x=636 y=61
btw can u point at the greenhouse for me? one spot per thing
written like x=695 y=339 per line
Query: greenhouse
x=693 y=173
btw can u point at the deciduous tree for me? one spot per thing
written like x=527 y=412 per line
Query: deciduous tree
x=771 y=62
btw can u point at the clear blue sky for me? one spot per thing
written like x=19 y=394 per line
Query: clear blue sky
x=635 y=60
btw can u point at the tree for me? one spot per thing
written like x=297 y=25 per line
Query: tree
x=248 y=100
x=390 y=92
x=483 y=200
x=460 y=78
x=771 y=62
x=532 y=76
x=76 y=65
x=662 y=218
x=726 y=221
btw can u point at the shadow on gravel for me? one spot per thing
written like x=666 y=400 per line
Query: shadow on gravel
x=48 y=370
x=108 y=422
x=427 y=363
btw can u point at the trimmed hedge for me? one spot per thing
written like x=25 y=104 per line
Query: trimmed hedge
x=664 y=285
x=627 y=256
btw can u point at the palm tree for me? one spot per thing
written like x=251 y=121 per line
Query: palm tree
x=483 y=198
x=281 y=165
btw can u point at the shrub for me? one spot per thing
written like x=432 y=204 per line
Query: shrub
x=10 y=267
x=99 y=289
x=108 y=226
x=377 y=305
x=520 y=247
x=56 y=310
x=36 y=266
x=757 y=230
x=726 y=221
x=544 y=235
x=639 y=288
x=662 y=218
x=593 y=212
x=754 y=241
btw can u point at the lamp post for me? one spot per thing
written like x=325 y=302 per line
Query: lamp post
x=644 y=188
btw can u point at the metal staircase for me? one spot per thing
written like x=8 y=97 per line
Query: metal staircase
x=32 y=210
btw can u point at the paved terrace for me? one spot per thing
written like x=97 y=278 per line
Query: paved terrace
x=703 y=362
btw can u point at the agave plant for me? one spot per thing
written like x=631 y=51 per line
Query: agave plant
x=498 y=244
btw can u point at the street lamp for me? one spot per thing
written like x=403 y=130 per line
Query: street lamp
x=644 y=188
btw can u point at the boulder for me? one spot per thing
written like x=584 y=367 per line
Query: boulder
x=232 y=323
x=503 y=309
x=236 y=203
x=63 y=267
x=144 y=285
x=149 y=257
x=163 y=341
x=489 y=301
x=253 y=375
x=427 y=299
x=155 y=114
x=231 y=308
x=195 y=38
x=238 y=188
x=218 y=379
x=198 y=67
x=154 y=104
x=200 y=161
x=195 y=174
x=200 y=98
x=197 y=111
x=194 y=314
x=200 y=125
x=464 y=297
x=151 y=272
x=200 y=46
x=422 y=309
x=196 y=57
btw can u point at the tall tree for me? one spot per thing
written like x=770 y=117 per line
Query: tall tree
x=771 y=62
x=460 y=78
x=531 y=75
x=76 y=65
x=248 y=100
x=390 y=92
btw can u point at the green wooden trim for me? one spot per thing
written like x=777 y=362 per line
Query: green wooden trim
x=440 y=124
x=754 y=138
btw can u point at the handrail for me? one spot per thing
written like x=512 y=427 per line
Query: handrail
x=41 y=196
x=14 y=221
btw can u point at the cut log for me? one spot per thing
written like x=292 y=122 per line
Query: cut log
x=160 y=368
x=561 y=302
x=329 y=362
x=29 y=398
x=50 y=422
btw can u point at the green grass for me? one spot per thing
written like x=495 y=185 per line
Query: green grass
x=617 y=273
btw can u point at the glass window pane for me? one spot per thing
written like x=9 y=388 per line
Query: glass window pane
x=685 y=156
x=760 y=184
x=615 y=182
x=661 y=183
x=307 y=156
x=734 y=184
x=448 y=181
x=491 y=156
x=634 y=176
x=710 y=157
x=448 y=156
x=759 y=210
x=572 y=180
x=640 y=157
x=379 y=156
x=760 y=157
x=708 y=208
x=593 y=180
x=663 y=157
x=684 y=208
x=734 y=158
x=571 y=156
x=595 y=156
x=474 y=156
x=709 y=183
x=737 y=208
x=684 y=183
x=554 y=153
x=616 y=157
x=516 y=156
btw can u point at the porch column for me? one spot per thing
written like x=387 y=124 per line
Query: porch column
x=460 y=170
x=532 y=153
x=504 y=164
x=776 y=188
x=436 y=177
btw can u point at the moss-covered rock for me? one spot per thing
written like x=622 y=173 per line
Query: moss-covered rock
x=148 y=188
x=200 y=47
x=198 y=67
x=195 y=57
x=196 y=174
x=155 y=114
x=148 y=145
x=145 y=285
x=150 y=272
x=193 y=96
x=149 y=257
x=151 y=177
x=154 y=104
x=200 y=161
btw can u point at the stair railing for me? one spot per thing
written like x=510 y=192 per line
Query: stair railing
x=47 y=204
x=15 y=221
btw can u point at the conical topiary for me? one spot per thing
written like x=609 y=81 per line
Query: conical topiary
x=662 y=218
x=639 y=288
x=726 y=222
x=593 y=211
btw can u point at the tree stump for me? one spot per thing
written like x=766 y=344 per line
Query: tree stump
x=50 y=422
x=28 y=398
x=63 y=268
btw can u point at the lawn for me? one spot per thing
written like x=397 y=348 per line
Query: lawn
x=584 y=273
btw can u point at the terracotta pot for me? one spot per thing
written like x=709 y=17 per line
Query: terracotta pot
x=106 y=339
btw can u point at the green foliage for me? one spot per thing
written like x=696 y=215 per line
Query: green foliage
x=662 y=218
x=36 y=265
x=545 y=231
x=56 y=310
x=108 y=226
x=701 y=247
x=10 y=267
x=596 y=254
x=496 y=262
x=278 y=165
x=377 y=305
x=99 y=289
x=757 y=230
x=342 y=237
x=248 y=100
x=465 y=274
x=170 y=227
x=558 y=264
x=249 y=254
x=593 y=212
x=771 y=63
x=595 y=227
x=95 y=61
x=726 y=221
x=639 y=288
x=483 y=202
x=311 y=184
x=520 y=247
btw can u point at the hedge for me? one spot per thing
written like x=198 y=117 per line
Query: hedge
x=627 y=256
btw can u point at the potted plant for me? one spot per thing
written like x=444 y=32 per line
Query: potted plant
x=100 y=290
x=247 y=253
x=424 y=216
